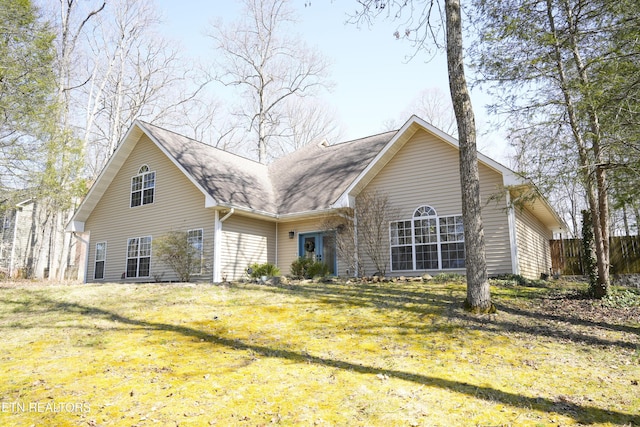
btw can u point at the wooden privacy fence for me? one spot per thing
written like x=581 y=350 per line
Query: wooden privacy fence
x=624 y=251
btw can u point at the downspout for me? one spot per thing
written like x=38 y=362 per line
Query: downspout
x=513 y=237
x=217 y=244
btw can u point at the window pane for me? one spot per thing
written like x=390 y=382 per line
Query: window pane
x=132 y=248
x=402 y=258
x=453 y=255
x=136 y=198
x=99 y=272
x=424 y=211
x=451 y=229
x=132 y=267
x=136 y=183
x=194 y=237
x=426 y=257
x=145 y=246
x=148 y=196
x=401 y=233
x=149 y=180
x=144 y=267
x=101 y=251
x=426 y=231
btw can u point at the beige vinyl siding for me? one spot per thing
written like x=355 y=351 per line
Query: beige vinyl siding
x=246 y=241
x=495 y=220
x=425 y=172
x=178 y=206
x=534 y=254
x=288 y=250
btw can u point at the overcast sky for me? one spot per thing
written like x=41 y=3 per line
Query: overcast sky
x=374 y=80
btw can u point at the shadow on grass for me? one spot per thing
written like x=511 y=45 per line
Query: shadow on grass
x=370 y=295
x=448 y=305
x=580 y=413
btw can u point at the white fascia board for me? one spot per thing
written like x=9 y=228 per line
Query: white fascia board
x=75 y=227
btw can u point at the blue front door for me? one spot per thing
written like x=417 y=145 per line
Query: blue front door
x=320 y=247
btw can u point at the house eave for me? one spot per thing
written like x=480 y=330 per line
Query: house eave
x=313 y=214
x=75 y=227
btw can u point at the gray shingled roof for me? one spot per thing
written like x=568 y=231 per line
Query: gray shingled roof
x=311 y=178
x=314 y=176
x=230 y=179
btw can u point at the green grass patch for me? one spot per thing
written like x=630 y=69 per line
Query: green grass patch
x=390 y=354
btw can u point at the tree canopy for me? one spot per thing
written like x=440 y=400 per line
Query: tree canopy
x=27 y=88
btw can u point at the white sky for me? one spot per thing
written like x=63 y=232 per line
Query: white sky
x=373 y=80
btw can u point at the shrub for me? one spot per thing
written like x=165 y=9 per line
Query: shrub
x=623 y=298
x=266 y=269
x=317 y=269
x=175 y=250
x=306 y=268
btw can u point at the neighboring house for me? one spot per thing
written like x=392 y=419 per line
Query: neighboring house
x=238 y=212
x=16 y=239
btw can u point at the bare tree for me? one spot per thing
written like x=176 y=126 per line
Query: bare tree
x=135 y=73
x=359 y=231
x=307 y=120
x=432 y=105
x=260 y=55
x=422 y=22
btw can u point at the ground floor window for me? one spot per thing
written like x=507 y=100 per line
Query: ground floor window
x=101 y=256
x=427 y=241
x=139 y=256
x=196 y=241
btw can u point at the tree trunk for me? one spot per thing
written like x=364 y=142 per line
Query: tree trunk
x=478 y=295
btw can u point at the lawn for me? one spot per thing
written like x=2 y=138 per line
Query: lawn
x=324 y=354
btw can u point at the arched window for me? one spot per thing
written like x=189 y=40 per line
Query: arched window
x=143 y=187
x=424 y=211
x=427 y=241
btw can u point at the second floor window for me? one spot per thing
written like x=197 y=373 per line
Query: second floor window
x=143 y=187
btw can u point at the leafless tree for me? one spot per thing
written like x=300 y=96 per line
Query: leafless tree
x=261 y=56
x=432 y=105
x=359 y=231
x=307 y=120
x=135 y=73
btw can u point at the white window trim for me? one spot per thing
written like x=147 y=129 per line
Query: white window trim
x=201 y=230
x=96 y=260
x=142 y=172
x=127 y=258
x=438 y=243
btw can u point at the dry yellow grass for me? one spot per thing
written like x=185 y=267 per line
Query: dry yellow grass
x=393 y=354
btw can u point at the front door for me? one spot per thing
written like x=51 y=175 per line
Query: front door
x=320 y=247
